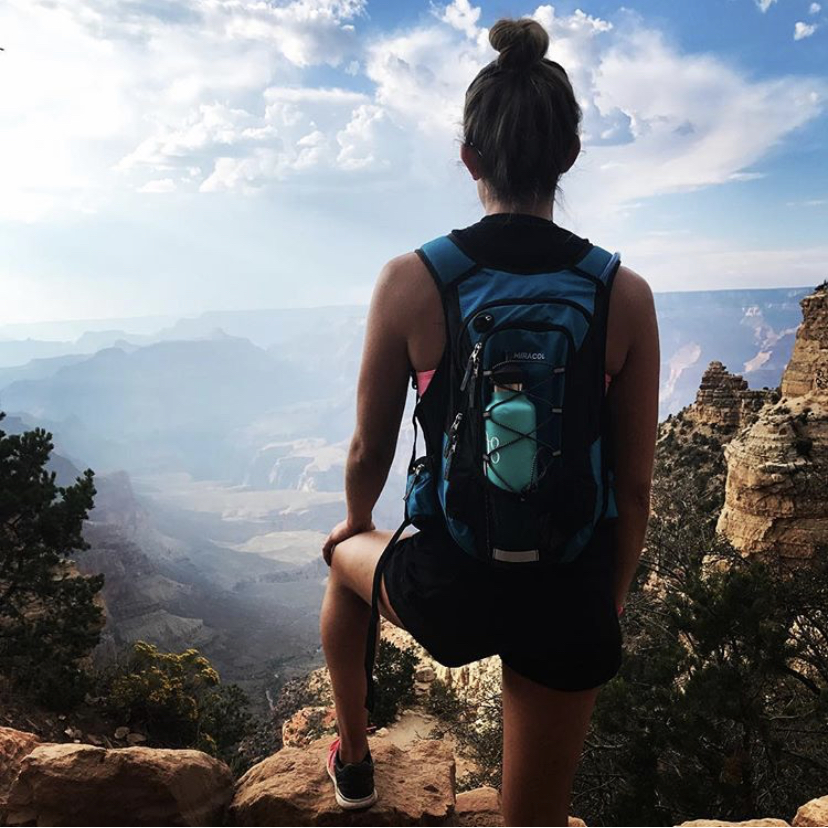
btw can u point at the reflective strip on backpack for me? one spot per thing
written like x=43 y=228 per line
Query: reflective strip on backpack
x=515 y=555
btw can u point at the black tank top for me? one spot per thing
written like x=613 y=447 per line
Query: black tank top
x=520 y=242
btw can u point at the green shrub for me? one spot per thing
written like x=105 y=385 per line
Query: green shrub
x=394 y=681
x=176 y=699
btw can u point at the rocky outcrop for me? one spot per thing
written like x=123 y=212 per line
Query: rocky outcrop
x=812 y=813
x=724 y=399
x=750 y=822
x=292 y=788
x=479 y=807
x=307 y=725
x=807 y=370
x=776 y=494
x=15 y=745
x=84 y=785
x=69 y=784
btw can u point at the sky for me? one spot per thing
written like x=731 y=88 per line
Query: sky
x=162 y=157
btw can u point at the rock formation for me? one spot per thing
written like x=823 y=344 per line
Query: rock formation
x=292 y=788
x=776 y=494
x=724 y=399
x=15 y=745
x=50 y=784
x=807 y=370
x=750 y=823
x=812 y=813
x=83 y=785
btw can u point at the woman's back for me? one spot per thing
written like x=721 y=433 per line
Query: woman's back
x=411 y=303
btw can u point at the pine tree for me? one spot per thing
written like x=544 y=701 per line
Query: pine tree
x=49 y=618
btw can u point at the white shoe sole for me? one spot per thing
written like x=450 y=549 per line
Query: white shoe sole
x=351 y=804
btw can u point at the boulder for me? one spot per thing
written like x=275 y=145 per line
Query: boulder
x=814 y=812
x=480 y=806
x=415 y=787
x=85 y=785
x=15 y=745
x=751 y=822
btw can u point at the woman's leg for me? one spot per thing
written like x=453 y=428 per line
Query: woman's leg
x=346 y=609
x=543 y=735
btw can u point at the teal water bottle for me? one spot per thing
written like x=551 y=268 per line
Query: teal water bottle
x=511 y=458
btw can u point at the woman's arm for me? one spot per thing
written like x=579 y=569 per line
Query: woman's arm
x=633 y=400
x=381 y=393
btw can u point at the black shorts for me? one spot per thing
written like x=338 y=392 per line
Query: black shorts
x=557 y=626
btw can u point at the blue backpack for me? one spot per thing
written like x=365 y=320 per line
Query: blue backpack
x=539 y=337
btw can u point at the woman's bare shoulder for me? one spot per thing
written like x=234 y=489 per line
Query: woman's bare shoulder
x=405 y=284
x=631 y=290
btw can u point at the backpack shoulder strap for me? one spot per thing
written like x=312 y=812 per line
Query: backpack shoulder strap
x=599 y=265
x=445 y=261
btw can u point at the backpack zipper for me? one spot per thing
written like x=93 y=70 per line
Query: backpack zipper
x=451 y=446
x=535 y=300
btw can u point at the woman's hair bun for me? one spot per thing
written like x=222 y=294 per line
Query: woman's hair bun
x=521 y=43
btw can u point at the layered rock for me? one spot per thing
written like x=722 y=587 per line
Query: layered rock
x=776 y=494
x=84 y=785
x=807 y=370
x=724 y=399
x=292 y=788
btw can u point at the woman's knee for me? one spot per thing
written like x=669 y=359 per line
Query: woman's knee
x=353 y=562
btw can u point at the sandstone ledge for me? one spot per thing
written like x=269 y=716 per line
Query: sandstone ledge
x=415 y=787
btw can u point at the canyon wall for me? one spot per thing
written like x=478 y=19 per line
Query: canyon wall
x=776 y=494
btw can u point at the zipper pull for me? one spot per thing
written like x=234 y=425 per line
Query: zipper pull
x=452 y=444
x=415 y=473
x=472 y=363
x=452 y=434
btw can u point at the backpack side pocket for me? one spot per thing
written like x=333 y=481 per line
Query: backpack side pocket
x=421 y=504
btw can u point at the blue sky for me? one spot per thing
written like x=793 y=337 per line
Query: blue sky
x=169 y=158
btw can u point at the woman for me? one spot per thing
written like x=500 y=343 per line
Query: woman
x=562 y=639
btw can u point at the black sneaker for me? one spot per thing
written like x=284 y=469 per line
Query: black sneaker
x=353 y=782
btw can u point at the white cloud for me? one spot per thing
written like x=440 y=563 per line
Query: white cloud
x=106 y=92
x=656 y=120
x=461 y=15
x=158 y=185
x=358 y=141
x=803 y=30
x=764 y=5
x=211 y=95
x=814 y=8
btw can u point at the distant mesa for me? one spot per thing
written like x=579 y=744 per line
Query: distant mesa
x=724 y=399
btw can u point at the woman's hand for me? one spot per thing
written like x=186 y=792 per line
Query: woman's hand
x=341 y=532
